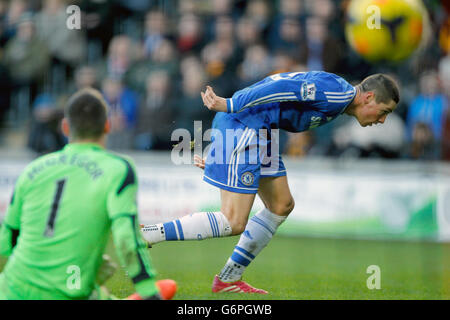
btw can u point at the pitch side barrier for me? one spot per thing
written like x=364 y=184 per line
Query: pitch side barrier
x=351 y=198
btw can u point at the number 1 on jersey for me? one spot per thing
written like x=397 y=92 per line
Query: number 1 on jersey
x=54 y=209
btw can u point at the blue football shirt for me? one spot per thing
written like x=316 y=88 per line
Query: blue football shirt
x=295 y=101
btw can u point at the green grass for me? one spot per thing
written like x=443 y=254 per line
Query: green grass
x=305 y=268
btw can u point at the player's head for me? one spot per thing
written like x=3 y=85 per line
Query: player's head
x=86 y=117
x=379 y=95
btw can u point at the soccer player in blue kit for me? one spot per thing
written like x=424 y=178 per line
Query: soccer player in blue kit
x=294 y=102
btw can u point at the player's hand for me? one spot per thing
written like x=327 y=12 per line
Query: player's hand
x=212 y=101
x=199 y=162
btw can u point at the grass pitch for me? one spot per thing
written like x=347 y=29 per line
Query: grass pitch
x=304 y=268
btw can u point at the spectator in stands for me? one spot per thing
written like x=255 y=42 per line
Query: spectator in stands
x=5 y=93
x=288 y=10
x=284 y=62
x=423 y=145
x=66 y=46
x=163 y=58
x=122 y=53
x=11 y=18
x=45 y=135
x=322 y=50
x=291 y=8
x=219 y=62
x=224 y=28
x=86 y=77
x=156 y=31
x=260 y=11
x=123 y=108
x=189 y=105
x=298 y=144
x=444 y=75
x=3 y=26
x=247 y=34
x=217 y=10
x=288 y=38
x=98 y=22
x=428 y=107
x=322 y=9
x=156 y=113
x=257 y=64
x=189 y=34
x=129 y=13
x=27 y=58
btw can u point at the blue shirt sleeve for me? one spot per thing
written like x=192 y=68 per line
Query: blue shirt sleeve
x=275 y=88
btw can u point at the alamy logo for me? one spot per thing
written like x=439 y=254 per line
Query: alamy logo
x=73 y=21
x=74 y=280
x=374 y=20
x=374 y=281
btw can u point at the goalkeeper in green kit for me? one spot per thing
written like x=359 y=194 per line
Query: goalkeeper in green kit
x=62 y=210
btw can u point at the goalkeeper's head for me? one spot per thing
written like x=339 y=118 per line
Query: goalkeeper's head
x=86 y=117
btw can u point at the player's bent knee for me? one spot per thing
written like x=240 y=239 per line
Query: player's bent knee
x=237 y=223
x=283 y=208
x=290 y=206
x=237 y=226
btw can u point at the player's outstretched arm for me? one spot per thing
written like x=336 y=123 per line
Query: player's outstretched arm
x=212 y=101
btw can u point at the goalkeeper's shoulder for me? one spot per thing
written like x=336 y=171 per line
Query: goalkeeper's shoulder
x=120 y=165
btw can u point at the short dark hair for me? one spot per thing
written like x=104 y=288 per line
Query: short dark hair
x=86 y=112
x=384 y=86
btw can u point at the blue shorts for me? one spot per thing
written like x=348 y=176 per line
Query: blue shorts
x=239 y=156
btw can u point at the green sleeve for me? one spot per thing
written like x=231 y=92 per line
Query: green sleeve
x=130 y=246
x=10 y=228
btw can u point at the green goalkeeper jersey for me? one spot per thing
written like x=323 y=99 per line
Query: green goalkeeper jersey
x=58 y=223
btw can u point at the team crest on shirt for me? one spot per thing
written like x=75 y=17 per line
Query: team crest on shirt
x=247 y=178
x=308 y=91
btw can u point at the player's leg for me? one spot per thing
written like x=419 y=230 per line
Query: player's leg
x=225 y=170
x=231 y=220
x=278 y=201
x=273 y=190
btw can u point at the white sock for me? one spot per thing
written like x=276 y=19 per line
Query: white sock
x=257 y=234
x=196 y=226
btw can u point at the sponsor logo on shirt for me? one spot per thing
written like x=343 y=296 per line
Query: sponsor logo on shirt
x=308 y=91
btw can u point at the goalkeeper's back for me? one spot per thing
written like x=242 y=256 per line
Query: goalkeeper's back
x=58 y=222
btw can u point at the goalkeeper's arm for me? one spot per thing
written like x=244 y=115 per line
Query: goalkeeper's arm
x=131 y=248
x=10 y=227
x=133 y=254
x=8 y=239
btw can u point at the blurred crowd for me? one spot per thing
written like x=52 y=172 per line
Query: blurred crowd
x=151 y=59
